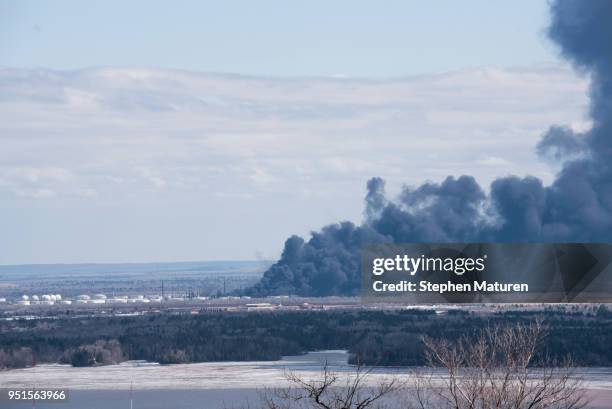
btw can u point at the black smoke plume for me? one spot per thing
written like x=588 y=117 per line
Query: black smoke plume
x=576 y=207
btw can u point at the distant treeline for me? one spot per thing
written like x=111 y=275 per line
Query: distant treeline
x=371 y=337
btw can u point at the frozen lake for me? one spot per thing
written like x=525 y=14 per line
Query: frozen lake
x=206 y=385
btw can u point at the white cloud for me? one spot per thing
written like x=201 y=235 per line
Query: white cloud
x=140 y=134
x=166 y=129
x=494 y=161
x=261 y=177
x=151 y=177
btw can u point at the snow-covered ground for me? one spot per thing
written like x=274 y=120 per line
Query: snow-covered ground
x=220 y=381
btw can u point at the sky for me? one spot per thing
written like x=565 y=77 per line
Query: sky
x=274 y=37
x=140 y=131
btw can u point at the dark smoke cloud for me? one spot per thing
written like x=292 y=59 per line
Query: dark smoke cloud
x=577 y=207
x=448 y=211
x=560 y=143
x=328 y=264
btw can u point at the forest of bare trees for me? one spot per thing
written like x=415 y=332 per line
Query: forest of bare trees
x=391 y=338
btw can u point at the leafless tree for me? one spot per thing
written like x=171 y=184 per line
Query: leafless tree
x=495 y=369
x=330 y=391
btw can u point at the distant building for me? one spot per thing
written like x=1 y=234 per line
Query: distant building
x=264 y=306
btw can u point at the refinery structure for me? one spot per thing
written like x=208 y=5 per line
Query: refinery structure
x=57 y=299
x=245 y=302
x=190 y=303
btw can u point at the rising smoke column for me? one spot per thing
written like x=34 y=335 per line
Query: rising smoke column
x=576 y=207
